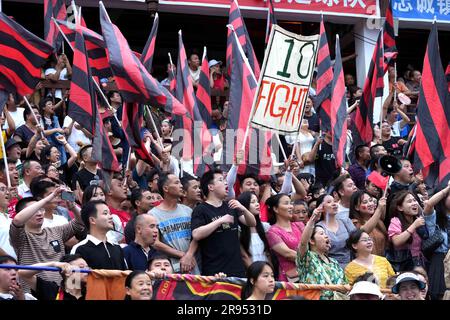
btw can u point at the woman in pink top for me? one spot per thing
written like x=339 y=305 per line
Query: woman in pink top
x=406 y=219
x=284 y=235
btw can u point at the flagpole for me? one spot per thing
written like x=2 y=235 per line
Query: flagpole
x=381 y=100
x=171 y=64
x=5 y=158
x=32 y=112
x=154 y=126
x=395 y=81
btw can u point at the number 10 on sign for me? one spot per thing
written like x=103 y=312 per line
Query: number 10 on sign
x=284 y=82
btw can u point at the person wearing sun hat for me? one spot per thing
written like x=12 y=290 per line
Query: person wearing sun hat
x=408 y=286
x=365 y=290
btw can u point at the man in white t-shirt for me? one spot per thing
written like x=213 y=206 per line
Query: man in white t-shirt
x=62 y=71
x=194 y=68
x=75 y=134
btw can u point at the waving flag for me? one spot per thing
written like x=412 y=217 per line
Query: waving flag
x=57 y=10
x=83 y=106
x=132 y=79
x=324 y=80
x=373 y=87
x=271 y=20
x=235 y=19
x=447 y=75
x=22 y=55
x=390 y=49
x=257 y=160
x=95 y=46
x=433 y=109
x=149 y=49
x=338 y=109
x=132 y=120
x=204 y=107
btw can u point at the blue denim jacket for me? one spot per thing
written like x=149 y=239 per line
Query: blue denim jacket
x=430 y=222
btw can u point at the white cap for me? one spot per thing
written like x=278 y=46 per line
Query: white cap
x=213 y=62
x=366 y=287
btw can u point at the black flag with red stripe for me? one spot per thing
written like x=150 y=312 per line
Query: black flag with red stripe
x=390 y=49
x=373 y=87
x=149 y=49
x=324 y=79
x=53 y=9
x=271 y=20
x=95 y=46
x=236 y=20
x=83 y=106
x=132 y=79
x=203 y=95
x=433 y=109
x=132 y=120
x=447 y=75
x=338 y=109
x=257 y=155
x=22 y=55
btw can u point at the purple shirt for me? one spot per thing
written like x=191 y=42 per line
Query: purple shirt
x=358 y=175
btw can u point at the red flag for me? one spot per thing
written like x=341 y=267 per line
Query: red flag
x=235 y=19
x=132 y=79
x=433 y=114
x=57 y=10
x=149 y=49
x=390 y=49
x=338 y=109
x=132 y=120
x=95 y=46
x=373 y=87
x=204 y=107
x=324 y=79
x=83 y=106
x=271 y=20
x=242 y=90
x=22 y=55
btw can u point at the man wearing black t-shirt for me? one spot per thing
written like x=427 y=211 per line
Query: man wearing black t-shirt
x=325 y=161
x=215 y=226
x=84 y=177
x=313 y=118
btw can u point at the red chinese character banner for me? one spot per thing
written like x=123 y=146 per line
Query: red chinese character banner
x=362 y=8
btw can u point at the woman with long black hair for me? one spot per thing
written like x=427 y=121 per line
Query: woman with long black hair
x=260 y=281
x=254 y=245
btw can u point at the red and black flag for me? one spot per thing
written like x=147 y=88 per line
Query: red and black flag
x=236 y=20
x=373 y=87
x=95 y=46
x=22 y=55
x=132 y=120
x=257 y=159
x=53 y=9
x=149 y=49
x=433 y=109
x=83 y=106
x=204 y=107
x=271 y=20
x=390 y=49
x=324 y=79
x=338 y=109
x=132 y=79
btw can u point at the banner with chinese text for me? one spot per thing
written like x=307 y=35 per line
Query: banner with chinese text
x=353 y=8
x=285 y=80
x=422 y=10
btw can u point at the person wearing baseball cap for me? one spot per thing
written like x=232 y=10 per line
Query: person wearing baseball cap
x=408 y=286
x=365 y=290
x=216 y=78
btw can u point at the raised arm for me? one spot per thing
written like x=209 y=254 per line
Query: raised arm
x=26 y=214
x=434 y=200
x=308 y=231
x=69 y=149
x=373 y=221
x=247 y=218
